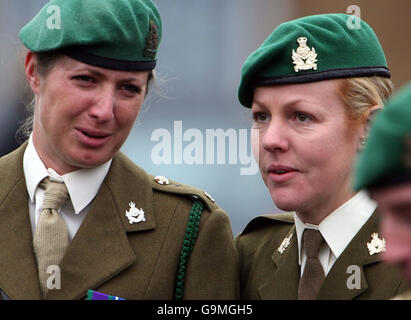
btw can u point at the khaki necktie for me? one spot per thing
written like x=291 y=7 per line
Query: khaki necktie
x=313 y=274
x=51 y=237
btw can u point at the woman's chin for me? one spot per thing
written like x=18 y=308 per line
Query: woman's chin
x=287 y=202
x=86 y=160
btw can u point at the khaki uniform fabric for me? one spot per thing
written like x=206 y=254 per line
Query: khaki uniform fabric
x=267 y=274
x=112 y=256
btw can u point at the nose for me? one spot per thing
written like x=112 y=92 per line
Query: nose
x=103 y=107
x=274 y=138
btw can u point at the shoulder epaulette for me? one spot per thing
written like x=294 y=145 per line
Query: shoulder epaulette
x=200 y=198
x=163 y=184
x=262 y=220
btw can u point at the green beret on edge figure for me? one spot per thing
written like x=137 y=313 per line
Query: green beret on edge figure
x=384 y=168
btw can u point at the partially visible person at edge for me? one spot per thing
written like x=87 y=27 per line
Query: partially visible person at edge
x=121 y=232
x=384 y=168
x=313 y=87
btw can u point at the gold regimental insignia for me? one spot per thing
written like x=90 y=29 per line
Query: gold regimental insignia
x=284 y=245
x=304 y=58
x=151 y=41
x=406 y=160
x=376 y=245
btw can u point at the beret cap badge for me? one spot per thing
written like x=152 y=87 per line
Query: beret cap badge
x=151 y=41
x=305 y=58
x=280 y=60
x=124 y=34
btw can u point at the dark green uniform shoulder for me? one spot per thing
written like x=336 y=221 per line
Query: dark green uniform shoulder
x=266 y=231
x=267 y=221
x=124 y=169
x=162 y=184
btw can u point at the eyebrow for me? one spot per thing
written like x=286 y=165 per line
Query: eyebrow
x=287 y=104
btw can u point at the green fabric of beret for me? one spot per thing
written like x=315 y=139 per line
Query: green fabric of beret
x=313 y=48
x=386 y=158
x=113 y=34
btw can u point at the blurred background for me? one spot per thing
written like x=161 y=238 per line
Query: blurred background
x=205 y=43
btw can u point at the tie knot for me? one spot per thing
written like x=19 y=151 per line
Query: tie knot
x=55 y=194
x=312 y=242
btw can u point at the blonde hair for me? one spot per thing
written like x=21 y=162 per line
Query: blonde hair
x=361 y=93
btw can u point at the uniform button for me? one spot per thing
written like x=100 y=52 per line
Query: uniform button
x=161 y=180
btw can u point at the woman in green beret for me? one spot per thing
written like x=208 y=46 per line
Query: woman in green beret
x=78 y=218
x=313 y=87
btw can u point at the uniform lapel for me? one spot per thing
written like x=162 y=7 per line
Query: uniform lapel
x=100 y=250
x=18 y=267
x=282 y=281
x=356 y=254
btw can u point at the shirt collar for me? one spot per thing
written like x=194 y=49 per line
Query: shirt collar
x=340 y=227
x=34 y=169
x=82 y=184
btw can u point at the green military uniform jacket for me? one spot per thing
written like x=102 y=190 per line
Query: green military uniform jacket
x=112 y=256
x=265 y=273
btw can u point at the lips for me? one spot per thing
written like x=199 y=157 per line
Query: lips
x=92 y=138
x=280 y=169
x=94 y=133
x=281 y=173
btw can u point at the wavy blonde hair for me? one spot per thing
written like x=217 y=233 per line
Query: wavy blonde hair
x=361 y=93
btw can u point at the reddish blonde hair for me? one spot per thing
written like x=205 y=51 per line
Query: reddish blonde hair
x=361 y=93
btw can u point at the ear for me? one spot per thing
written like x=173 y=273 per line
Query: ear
x=32 y=75
x=373 y=111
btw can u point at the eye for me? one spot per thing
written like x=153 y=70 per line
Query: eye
x=131 y=89
x=302 y=117
x=84 y=78
x=260 y=116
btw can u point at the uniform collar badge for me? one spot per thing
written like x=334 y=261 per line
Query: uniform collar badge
x=304 y=58
x=376 y=245
x=135 y=215
x=161 y=180
x=284 y=245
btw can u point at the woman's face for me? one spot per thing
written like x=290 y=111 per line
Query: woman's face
x=306 y=147
x=83 y=113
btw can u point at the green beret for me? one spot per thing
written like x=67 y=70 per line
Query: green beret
x=313 y=48
x=113 y=34
x=386 y=158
